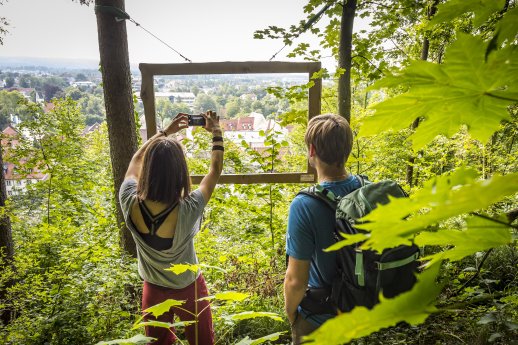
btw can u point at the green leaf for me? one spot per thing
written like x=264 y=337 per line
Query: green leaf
x=228 y=296
x=441 y=198
x=231 y=296
x=217 y=268
x=481 y=234
x=465 y=90
x=163 y=324
x=412 y=307
x=507 y=27
x=488 y=318
x=182 y=268
x=163 y=307
x=138 y=339
x=452 y=9
x=347 y=241
x=254 y=314
x=270 y=337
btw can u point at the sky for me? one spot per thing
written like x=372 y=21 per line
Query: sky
x=202 y=30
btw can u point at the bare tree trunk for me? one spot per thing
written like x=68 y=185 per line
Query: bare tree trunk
x=345 y=58
x=118 y=99
x=424 y=56
x=6 y=245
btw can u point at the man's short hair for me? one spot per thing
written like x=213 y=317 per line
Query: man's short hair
x=332 y=138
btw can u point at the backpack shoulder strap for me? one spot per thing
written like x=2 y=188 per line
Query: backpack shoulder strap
x=328 y=198
x=320 y=193
x=364 y=180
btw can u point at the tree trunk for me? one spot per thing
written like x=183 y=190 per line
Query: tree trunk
x=345 y=58
x=6 y=245
x=424 y=56
x=118 y=99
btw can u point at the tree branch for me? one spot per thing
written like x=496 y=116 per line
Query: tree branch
x=370 y=62
x=513 y=213
x=387 y=6
x=475 y=275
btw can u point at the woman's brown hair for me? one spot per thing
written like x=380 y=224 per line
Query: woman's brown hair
x=332 y=138
x=164 y=176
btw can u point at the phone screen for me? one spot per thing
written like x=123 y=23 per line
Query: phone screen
x=196 y=120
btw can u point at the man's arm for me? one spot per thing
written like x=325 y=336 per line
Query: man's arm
x=295 y=285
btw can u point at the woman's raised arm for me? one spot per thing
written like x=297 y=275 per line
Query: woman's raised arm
x=208 y=183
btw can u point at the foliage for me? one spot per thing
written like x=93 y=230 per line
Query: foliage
x=163 y=307
x=441 y=198
x=72 y=284
x=11 y=103
x=70 y=276
x=412 y=307
x=137 y=339
x=480 y=87
x=477 y=95
x=481 y=9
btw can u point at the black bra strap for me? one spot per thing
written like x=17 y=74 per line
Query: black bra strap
x=154 y=222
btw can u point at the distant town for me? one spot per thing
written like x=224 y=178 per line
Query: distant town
x=246 y=108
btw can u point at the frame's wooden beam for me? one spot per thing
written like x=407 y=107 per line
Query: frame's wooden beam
x=147 y=95
x=261 y=178
x=228 y=67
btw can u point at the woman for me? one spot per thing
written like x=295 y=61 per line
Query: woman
x=163 y=216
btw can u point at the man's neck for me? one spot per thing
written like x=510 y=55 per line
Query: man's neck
x=331 y=174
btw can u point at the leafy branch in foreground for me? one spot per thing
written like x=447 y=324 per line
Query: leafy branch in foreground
x=482 y=9
x=469 y=89
x=412 y=307
x=480 y=234
x=441 y=198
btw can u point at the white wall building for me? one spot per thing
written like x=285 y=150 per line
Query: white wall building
x=177 y=97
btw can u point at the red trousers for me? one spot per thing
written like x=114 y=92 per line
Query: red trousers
x=154 y=294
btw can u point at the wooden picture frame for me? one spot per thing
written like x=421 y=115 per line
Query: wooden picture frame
x=147 y=95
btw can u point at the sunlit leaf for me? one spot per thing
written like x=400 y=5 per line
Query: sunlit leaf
x=182 y=268
x=163 y=324
x=481 y=234
x=347 y=241
x=227 y=296
x=138 y=339
x=465 y=90
x=412 y=307
x=441 y=198
x=507 y=27
x=231 y=296
x=270 y=337
x=163 y=307
x=454 y=8
x=254 y=314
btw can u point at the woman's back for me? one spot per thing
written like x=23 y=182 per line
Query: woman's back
x=160 y=235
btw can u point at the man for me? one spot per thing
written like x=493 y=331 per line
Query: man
x=311 y=223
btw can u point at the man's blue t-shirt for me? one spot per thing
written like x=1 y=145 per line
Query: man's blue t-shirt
x=310 y=230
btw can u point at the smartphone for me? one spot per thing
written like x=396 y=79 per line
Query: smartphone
x=196 y=120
